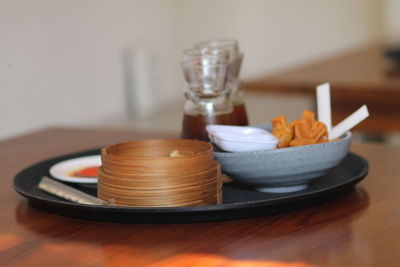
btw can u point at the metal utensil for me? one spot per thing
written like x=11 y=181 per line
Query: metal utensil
x=69 y=193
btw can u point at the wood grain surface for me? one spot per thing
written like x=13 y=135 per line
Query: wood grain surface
x=361 y=228
x=362 y=76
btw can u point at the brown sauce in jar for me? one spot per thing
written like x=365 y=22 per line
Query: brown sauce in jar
x=240 y=114
x=194 y=126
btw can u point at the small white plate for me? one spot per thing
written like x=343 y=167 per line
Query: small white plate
x=241 y=138
x=64 y=169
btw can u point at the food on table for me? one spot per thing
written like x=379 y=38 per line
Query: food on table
x=175 y=154
x=306 y=131
x=160 y=173
x=87 y=172
x=282 y=131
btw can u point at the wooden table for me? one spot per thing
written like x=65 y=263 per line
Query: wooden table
x=361 y=228
x=359 y=77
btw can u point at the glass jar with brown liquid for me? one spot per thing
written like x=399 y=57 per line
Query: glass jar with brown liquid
x=202 y=110
x=239 y=108
x=207 y=100
x=234 y=84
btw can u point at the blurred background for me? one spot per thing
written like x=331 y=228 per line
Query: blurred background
x=116 y=63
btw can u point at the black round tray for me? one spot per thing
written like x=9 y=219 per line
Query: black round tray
x=238 y=201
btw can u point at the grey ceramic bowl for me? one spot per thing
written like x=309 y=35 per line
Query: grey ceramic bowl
x=286 y=169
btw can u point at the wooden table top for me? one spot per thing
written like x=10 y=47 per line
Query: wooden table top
x=362 y=69
x=361 y=228
x=361 y=76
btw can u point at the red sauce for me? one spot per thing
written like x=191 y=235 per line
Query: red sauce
x=87 y=172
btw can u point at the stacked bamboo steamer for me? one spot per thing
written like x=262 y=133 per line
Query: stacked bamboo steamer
x=160 y=173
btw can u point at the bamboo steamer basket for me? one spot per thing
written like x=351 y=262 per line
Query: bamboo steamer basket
x=151 y=157
x=143 y=174
x=170 y=181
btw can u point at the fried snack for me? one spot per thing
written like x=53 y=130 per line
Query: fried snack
x=302 y=133
x=319 y=132
x=282 y=131
x=308 y=116
x=318 y=129
x=306 y=131
x=302 y=142
x=306 y=135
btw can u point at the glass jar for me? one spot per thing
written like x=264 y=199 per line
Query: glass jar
x=207 y=98
x=235 y=86
x=239 y=107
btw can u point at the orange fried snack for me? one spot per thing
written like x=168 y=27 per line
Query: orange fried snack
x=306 y=131
x=308 y=116
x=302 y=136
x=282 y=131
x=306 y=135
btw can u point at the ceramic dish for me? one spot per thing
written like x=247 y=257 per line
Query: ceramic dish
x=241 y=138
x=286 y=169
x=64 y=170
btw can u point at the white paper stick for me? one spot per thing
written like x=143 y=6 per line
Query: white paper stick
x=348 y=123
x=324 y=105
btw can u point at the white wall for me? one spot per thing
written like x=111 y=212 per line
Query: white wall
x=391 y=20
x=279 y=34
x=61 y=62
